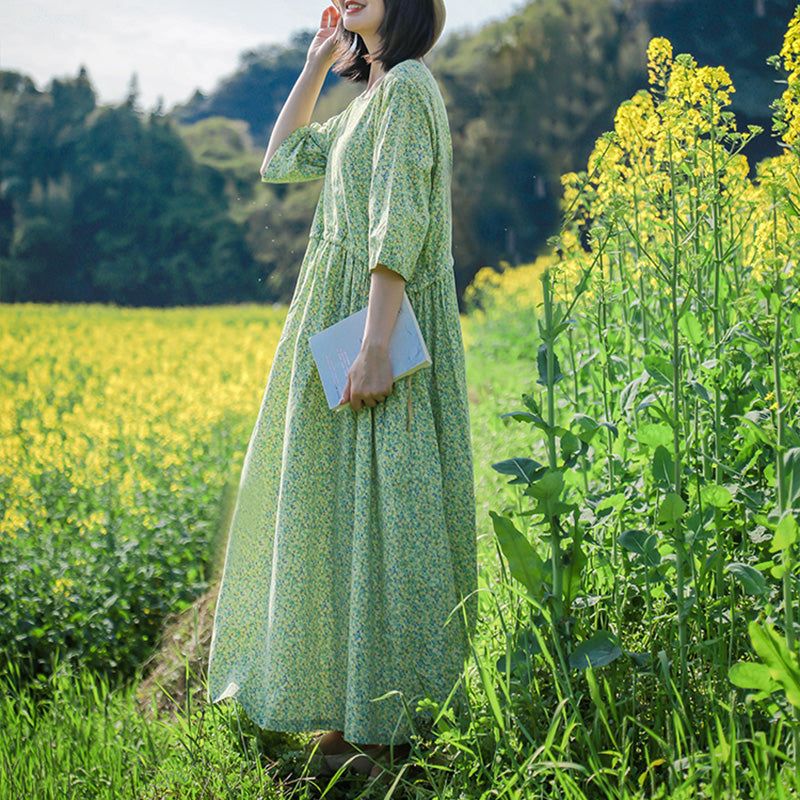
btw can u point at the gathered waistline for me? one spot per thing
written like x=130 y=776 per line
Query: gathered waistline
x=412 y=288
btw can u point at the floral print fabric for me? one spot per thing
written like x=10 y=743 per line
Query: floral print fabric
x=353 y=535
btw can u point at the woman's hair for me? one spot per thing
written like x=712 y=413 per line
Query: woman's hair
x=409 y=29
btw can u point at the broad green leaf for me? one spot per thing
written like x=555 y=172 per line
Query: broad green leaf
x=663 y=467
x=541 y=361
x=782 y=663
x=654 y=434
x=549 y=486
x=712 y=494
x=520 y=656
x=791 y=477
x=752 y=675
x=689 y=325
x=598 y=651
x=587 y=427
x=785 y=534
x=700 y=390
x=778 y=571
x=569 y=444
x=671 y=509
x=758 y=425
x=523 y=469
x=524 y=562
x=611 y=427
x=751 y=579
x=615 y=501
x=659 y=369
x=641 y=543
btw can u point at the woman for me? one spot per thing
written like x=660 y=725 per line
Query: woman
x=353 y=535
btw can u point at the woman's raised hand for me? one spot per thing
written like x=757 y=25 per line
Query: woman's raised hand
x=322 y=48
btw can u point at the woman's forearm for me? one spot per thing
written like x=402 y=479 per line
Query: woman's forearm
x=385 y=296
x=299 y=105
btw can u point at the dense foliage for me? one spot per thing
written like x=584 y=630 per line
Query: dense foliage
x=120 y=431
x=655 y=534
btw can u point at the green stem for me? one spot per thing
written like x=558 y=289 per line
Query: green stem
x=676 y=426
x=555 y=537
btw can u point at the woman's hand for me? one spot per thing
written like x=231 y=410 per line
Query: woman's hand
x=322 y=48
x=370 y=377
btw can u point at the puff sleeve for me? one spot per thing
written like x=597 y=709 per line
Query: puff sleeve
x=401 y=182
x=303 y=154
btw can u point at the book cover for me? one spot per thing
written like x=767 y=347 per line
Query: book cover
x=335 y=348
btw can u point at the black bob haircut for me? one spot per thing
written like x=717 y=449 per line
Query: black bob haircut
x=408 y=30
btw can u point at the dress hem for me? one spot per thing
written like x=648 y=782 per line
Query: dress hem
x=302 y=725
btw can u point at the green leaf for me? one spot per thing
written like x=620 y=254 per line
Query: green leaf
x=491 y=694
x=654 y=435
x=659 y=369
x=752 y=675
x=758 y=425
x=569 y=444
x=689 y=325
x=523 y=469
x=700 y=390
x=663 y=467
x=587 y=427
x=715 y=495
x=781 y=662
x=641 y=543
x=791 y=477
x=549 y=486
x=524 y=562
x=575 y=560
x=615 y=501
x=671 y=509
x=525 y=416
x=598 y=651
x=541 y=361
x=785 y=534
x=778 y=571
x=530 y=403
x=751 y=579
x=520 y=657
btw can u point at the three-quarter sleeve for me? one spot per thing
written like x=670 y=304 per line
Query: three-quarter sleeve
x=400 y=187
x=303 y=154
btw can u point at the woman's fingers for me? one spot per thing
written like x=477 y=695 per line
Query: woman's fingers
x=345 y=398
x=330 y=17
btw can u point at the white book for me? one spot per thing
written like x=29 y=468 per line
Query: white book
x=335 y=348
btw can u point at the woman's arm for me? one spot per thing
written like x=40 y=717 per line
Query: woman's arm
x=301 y=101
x=370 y=378
x=385 y=296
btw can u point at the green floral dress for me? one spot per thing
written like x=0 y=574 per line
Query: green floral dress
x=353 y=535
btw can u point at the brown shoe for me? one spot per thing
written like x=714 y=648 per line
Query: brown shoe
x=323 y=752
x=380 y=758
x=332 y=743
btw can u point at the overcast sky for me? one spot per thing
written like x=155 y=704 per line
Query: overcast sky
x=174 y=46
